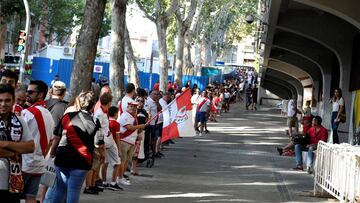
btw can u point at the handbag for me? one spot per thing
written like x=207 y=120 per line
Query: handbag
x=301 y=139
x=49 y=177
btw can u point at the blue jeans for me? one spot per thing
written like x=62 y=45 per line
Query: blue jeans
x=298 y=155
x=334 y=127
x=68 y=184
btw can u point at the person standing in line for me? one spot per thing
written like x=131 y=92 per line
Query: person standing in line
x=254 y=94
x=227 y=100
x=54 y=80
x=73 y=149
x=248 y=96
x=201 y=111
x=12 y=145
x=338 y=108
x=142 y=118
x=130 y=93
x=292 y=121
x=112 y=155
x=20 y=100
x=152 y=106
x=163 y=101
x=57 y=106
x=41 y=125
x=128 y=134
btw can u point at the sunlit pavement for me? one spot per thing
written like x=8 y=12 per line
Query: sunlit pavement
x=237 y=162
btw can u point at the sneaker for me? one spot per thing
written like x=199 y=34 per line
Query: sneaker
x=90 y=191
x=200 y=134
x=106 y=185
x=280 y=150
x=206 y=131
x=123 y=181
x=161 y=154
x=299 y=167
x=126 y=177
x=98 y=189
x=114 y=187
x=309 y=170
x=99 y=184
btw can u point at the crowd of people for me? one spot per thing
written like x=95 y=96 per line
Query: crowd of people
x=312 y=131
x=46 y=140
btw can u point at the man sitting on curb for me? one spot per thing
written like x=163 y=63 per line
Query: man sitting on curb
x=316 y=133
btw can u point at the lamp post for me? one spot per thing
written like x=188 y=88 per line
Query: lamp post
x=27 y=28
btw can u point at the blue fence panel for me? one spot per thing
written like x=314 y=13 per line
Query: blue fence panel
x=65 y=70
x=54 y=68
x=200 y=81
x=45 y=69
x=40 y=70
x=105 y=71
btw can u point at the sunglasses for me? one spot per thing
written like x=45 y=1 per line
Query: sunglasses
x=140 y=100
x=30 y=92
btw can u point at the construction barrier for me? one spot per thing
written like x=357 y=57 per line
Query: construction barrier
x=337 y=171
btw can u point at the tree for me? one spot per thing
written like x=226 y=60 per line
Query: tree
x=86 y=46
x=133 y=69
x=117 y=56
x=184 y=18
x=221 y=20
x=8 y=8
x=57 y=19
x=160 y=12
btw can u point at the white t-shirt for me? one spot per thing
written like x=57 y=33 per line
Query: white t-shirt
x=163 y=104
x=195 y=98
x=104 y=130
x=34 y=163
x=4 y=163
x=204 y=104
x=127 y=119
x=227 y=95
x=336 y=105
x=151 y=107
x=291 y=107
x=124 y=103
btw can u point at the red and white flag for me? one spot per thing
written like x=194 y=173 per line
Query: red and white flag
x=177 y=118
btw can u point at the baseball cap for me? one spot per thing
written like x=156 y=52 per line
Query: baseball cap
x=59 y=85
x=133 y=103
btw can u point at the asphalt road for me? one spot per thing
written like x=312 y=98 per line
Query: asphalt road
x=236 y=162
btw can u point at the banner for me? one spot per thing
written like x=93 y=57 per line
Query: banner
x=178 y=118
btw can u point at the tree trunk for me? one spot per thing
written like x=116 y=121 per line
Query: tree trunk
x=197 y=60
x=86 y=47
x=43 y=25
x=206 y=49
x=180 y=52
x=187 y=50
x=117 y=56
x=133 y=69
x=3 y=31
x=163 y=61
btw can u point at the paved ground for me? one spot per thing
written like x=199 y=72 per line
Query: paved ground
x=237 y=162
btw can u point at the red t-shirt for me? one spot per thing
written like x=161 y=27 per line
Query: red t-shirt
x=114 y=127
x=157 y=86
x=315 y=137
x=169 y=86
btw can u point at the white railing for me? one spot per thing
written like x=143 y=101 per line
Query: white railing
x=337 y=171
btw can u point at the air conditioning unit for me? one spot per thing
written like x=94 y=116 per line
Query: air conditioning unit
x=68 y=51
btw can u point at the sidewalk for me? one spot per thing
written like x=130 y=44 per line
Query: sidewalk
x=237 y=162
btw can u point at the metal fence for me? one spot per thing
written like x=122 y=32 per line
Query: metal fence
x=337 y=171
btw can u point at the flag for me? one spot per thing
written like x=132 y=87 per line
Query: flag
x=177 y=118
